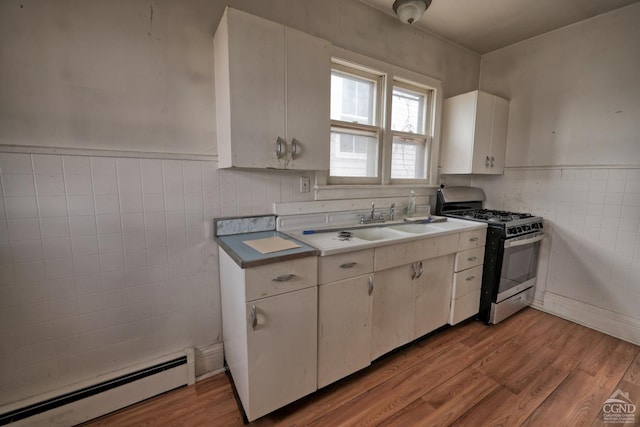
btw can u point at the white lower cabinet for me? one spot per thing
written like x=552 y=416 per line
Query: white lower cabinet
x=392 y=310
x=432 y=295
x=344 y=327
x=270 y=324
x=410 y=301
x=467 y=282
x=281 y=350
x=295 y=326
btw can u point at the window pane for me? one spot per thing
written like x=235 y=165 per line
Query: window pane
x=352 y=99
x=408 y=111
x=354 y=155
x=408 y=159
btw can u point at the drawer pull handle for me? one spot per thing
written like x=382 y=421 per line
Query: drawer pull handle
x=281 y=148
x=370 y=285
x=284 y=278
x=348 y=265
x=473 y=239
x=254 y=317
x=421 y=270
x=470 y=278
x=472 y=258
x=414 y=272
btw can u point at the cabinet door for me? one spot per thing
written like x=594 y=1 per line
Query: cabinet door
x=459 y=117
x=250 y=90
x=308 y=101
x=344 y=328
x=499 y=135
x=392 y=310
x=282 y=350
x=432 y=294
x=482 y=133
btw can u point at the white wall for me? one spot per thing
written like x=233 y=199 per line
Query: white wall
x=118 y=75
x=573 y=156
x=107 y=261
x=138 y=75
x=574 y=92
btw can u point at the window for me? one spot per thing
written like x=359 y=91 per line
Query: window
x=355 y=135
x=409 y=128
x=379 y=134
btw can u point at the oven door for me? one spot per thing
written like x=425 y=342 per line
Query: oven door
x=519 y=265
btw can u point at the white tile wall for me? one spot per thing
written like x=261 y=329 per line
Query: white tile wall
x=106 y=262
x=594 y=216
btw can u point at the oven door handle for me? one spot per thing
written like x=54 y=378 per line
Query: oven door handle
x=522 y=242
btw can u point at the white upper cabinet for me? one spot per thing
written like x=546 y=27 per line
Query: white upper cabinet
x=474 y=134
x=273 y=88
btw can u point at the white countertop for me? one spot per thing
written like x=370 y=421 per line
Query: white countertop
x=371 y=236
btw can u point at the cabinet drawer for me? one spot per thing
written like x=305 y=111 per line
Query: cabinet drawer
x=278 y=278
x=469 y=258
x=472 y=239
x=417 y=250
x=467 y=281
x=343 y=266
x=465 y=307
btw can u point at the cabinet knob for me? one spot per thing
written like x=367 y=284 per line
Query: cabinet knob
x=493 y=161
x=473 y=239
x=281 y=148
x=420 y=270
x=370 y=285
x=487 y=162
x=470 y=278
x=284 y=278
x=472 y=258
x=294 y=149
x=413 y=272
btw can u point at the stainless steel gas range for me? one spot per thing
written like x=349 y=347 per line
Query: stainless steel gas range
x=511 y=251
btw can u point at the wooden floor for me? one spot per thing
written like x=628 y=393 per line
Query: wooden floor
x=533 y=369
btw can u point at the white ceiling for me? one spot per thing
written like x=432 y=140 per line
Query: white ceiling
x=487 y=25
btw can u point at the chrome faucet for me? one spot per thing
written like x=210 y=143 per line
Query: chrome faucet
x=372 y=217
x=392 y=212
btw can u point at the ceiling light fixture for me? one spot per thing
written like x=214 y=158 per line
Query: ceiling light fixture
x=409 y=11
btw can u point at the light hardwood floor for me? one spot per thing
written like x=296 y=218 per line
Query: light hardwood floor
x=533 y=369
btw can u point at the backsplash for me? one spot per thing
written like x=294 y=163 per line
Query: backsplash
x=106 y=262
x=594 y=254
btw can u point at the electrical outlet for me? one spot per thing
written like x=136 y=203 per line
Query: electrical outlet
x=305 y=184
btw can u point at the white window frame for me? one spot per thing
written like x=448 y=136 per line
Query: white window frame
x=424 y=137
x=391 y=75
x=378 y=118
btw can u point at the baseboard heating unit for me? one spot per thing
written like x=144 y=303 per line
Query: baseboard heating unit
x=106 y=393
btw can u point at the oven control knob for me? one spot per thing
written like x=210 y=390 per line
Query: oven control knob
x=519 y=229
x=534 y=226
x=526 y=228
x=540 y=225
x=512 y=230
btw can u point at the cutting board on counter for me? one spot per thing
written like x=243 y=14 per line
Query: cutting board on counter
x=271 y=244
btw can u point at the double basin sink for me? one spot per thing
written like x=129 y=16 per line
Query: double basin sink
x=398 y=231
x=367 y=236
